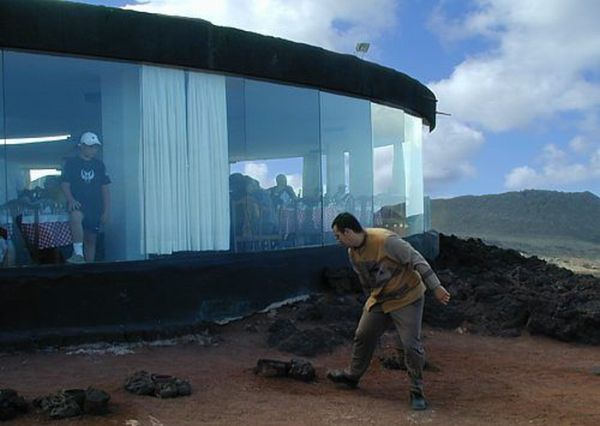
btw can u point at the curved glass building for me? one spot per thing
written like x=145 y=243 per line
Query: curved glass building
x=218 y=143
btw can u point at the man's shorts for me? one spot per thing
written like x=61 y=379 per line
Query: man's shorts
x=91 y=219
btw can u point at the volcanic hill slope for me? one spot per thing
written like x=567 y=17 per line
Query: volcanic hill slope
x=545 y=223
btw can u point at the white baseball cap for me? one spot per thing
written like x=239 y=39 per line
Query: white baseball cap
x=89 y=139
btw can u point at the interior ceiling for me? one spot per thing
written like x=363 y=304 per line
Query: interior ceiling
x=47 y=96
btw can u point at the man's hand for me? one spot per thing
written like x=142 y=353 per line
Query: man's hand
x=74 y=205
x=442 y=295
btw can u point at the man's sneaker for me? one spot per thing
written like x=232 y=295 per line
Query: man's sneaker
x=417 y=401
x=340 y=377
x=76 y=258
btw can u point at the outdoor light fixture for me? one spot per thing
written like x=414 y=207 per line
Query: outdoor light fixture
x=362 y=48
x=22 y=141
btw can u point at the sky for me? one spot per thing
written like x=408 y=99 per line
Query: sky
x=519 y=78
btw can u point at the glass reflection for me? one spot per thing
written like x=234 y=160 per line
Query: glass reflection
x=275 y=165
x=398 y=173
x=413 y=161
x=347 y=160
x=389 y=200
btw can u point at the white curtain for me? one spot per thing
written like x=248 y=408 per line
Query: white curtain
x=182 y=133
x=209 y=161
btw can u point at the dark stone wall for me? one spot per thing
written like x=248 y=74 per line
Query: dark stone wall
x=128 y=300
x=96 y=31
x=124 y=301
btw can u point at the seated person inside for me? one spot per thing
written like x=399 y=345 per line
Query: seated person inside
x=85 y=185
x=341 y=199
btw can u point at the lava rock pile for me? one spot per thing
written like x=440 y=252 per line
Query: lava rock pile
x=73 y=402
x=318 y=325
x=11 y=404
x=297 y=369
x=501 y=292
x=159 y=385
x=494 y=291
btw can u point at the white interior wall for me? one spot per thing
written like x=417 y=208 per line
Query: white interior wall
x=121 y=133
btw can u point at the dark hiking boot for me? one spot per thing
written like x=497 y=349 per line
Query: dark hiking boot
x=417 y=401
x=340 y=377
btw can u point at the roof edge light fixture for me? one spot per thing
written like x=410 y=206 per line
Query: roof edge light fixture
x=39 y=139
x=362 y=48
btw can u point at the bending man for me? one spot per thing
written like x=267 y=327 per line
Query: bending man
x=395 y=276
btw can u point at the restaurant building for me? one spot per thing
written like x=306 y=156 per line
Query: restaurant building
x=229 y=153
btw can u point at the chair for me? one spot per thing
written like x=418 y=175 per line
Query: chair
x=30 y=234
x=251 y=231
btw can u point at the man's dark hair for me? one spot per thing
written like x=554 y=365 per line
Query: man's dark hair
x=345 y=221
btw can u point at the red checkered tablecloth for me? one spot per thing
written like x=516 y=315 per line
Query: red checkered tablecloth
x=54 y=231
x=8 y=228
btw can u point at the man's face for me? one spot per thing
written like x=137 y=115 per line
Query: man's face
x=88 y=151
x=345 y=238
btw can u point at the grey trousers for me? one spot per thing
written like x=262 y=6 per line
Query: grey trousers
x=371 y=326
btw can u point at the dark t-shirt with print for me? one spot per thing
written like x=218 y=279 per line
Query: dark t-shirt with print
x=86 y=178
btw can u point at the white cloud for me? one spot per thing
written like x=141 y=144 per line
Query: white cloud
x=333 y=24
x=559 y=169
x=266 y=178
x=260 y=172
x=580 y=144
x=295 y=181
x=574 y=167
x=383 y=162
x=446 y=153
x=522 y=178
x=544 y=53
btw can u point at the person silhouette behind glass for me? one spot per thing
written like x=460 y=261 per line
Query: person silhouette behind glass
x=284 y=202
x=85 y=184
x=282 y=194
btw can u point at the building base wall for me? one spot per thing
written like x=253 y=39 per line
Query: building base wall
x=129 y=301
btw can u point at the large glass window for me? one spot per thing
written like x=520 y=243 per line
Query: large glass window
x=190 y=161
x=50 y=102
x=347 y=159
x=413 y=163
x=389 y=189
x=398 y=170
x=6 y=245
x=275 y=157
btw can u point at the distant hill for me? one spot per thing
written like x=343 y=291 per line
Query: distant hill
x=549 y=221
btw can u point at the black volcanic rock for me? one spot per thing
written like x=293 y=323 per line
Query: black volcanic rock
x=159 y=385
x=501 y=292
x=11 y=404
x=494 y=292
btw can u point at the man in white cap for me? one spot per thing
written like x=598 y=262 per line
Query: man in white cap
x=85 y=184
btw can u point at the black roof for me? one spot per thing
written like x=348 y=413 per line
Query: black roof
x=98 y=31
